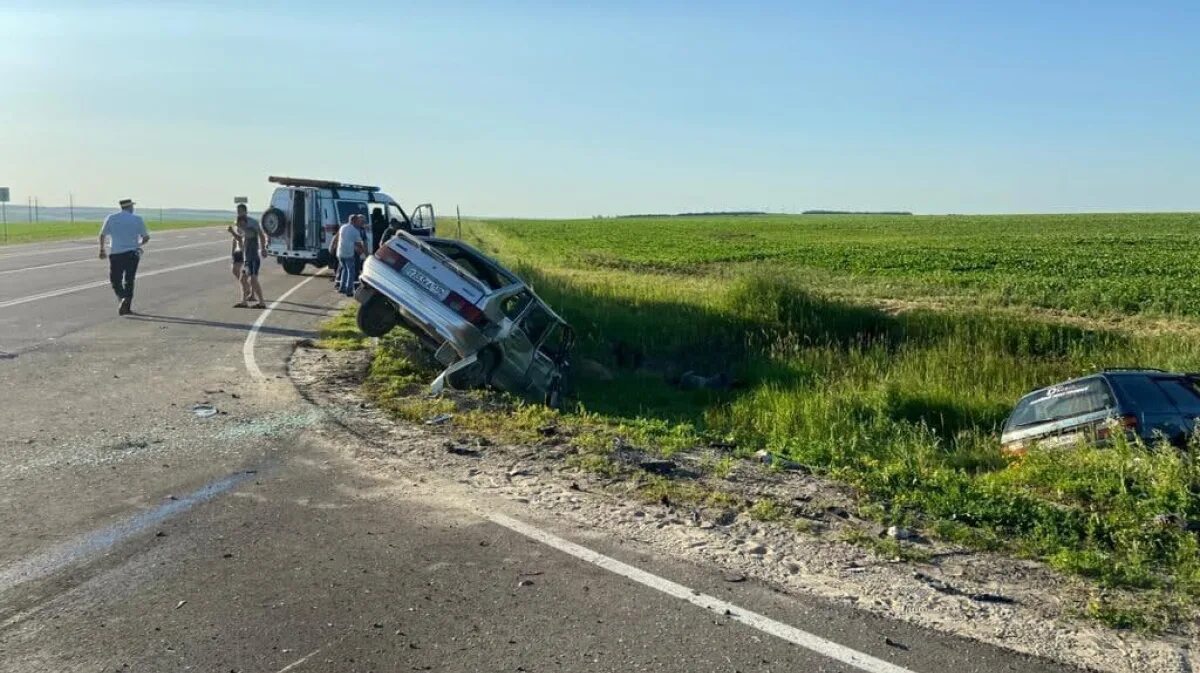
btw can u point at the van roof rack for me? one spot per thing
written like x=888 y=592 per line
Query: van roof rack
x=1133 y=369
x=323 y=184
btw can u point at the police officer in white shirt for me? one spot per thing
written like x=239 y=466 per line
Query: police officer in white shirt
x=127 y=233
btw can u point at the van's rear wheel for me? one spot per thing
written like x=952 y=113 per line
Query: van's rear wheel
x=376 y=316
x=294 y=267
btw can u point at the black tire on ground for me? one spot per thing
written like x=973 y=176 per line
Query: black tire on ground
x=293 y=267
x=478 y=374
x=377 y=316
x=274 y=222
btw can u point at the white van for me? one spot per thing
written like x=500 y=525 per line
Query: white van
x=305 y=214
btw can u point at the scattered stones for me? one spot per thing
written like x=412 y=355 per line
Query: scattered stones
x=660 y=467
x=899 y=533
x=440 y=419
x=525 y=583
x=734 y=577
x=726 y=517
x=462 y=450
x=755 y=548
x=896 y=644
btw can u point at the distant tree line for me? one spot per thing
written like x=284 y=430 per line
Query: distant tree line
x=856 y=212
x=706 y=214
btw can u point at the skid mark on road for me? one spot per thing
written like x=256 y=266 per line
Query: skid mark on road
x=252 y=337
x=105 y=283
x=96 y=542
x=827 y=648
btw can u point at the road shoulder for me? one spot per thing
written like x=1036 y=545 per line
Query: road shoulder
x=1016 y=605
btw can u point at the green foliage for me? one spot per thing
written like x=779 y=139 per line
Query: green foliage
x=906 y=406
x=341 y=333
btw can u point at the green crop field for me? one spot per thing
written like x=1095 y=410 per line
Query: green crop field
x=27 y=232
x=885 y=352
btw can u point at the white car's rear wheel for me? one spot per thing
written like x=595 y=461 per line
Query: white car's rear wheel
x=377 y=316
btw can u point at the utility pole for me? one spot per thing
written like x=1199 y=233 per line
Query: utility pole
x=71 y=202
x=29 y=208
x=458 y=213
x=160 y=218
x=37 y=212
x=4 y=211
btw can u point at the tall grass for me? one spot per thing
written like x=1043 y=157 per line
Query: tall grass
x=904 y=407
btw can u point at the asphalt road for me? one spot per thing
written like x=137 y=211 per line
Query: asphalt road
x=137 y=536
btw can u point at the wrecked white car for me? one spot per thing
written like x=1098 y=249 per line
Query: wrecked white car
x=477 y=318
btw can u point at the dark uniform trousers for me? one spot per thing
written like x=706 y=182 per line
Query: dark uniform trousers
x=122 y=268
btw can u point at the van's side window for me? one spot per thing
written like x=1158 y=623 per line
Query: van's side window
x=347 y=208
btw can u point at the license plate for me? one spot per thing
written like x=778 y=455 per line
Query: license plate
x=414 y=274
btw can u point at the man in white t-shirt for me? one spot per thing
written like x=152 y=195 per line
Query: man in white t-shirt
x=126 y=234
x=348 y=244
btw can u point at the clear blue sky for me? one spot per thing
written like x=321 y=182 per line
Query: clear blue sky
x=560 y=109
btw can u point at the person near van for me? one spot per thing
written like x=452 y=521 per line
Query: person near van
x=349 y=243
x=238 y=258
x=126 y=234
x=253 y=240
x=333 y=258
x=379 y=226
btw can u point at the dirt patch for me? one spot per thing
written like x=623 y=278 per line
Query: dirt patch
x=784 y=527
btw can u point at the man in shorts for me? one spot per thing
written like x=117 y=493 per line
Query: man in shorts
x=253 y=240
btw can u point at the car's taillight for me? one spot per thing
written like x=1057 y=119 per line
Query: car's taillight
x=465 y=308
x=1126 y=422
x=389 y=256
x=1014 y=448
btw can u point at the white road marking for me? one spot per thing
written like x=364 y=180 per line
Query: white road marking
x=93 y=258
x=252 y=337
x=297 y=662
x=83 y=243
x=105 y=283
x=827 y=648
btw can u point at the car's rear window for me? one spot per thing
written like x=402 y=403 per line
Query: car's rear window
x=1159 y=395
x=472 y=264
x=1063 y=401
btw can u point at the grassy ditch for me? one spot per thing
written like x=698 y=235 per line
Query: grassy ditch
x=903 y=407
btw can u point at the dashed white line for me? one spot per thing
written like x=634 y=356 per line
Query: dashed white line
x=105 y=283
x=94 y=259
x=822 y=646
x=252 y=337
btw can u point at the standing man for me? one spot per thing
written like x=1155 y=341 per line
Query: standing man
x=379 y=225
x=127 y=234
x=253 y=239
x=349 y=244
